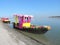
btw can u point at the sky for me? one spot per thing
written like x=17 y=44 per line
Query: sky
x=30 y=7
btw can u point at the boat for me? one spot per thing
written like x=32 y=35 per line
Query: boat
x=23 y=22
x=5 y=20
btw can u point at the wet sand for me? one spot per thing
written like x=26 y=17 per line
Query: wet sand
x=10 y=36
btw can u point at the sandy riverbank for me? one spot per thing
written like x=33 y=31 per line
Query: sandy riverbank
x=10 y=36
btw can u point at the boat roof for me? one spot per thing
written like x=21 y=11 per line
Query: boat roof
x=20 y=15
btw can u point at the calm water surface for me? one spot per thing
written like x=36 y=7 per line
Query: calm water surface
x=53 y=35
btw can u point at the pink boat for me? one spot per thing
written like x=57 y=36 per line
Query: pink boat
x=23 y=22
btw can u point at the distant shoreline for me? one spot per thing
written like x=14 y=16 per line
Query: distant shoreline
x=54 y=17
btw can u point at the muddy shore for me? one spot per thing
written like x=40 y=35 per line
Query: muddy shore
x=16 y=37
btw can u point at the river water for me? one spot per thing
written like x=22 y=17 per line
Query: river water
x=52 y=37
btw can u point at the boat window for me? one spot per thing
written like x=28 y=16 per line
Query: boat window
x=26 y=19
